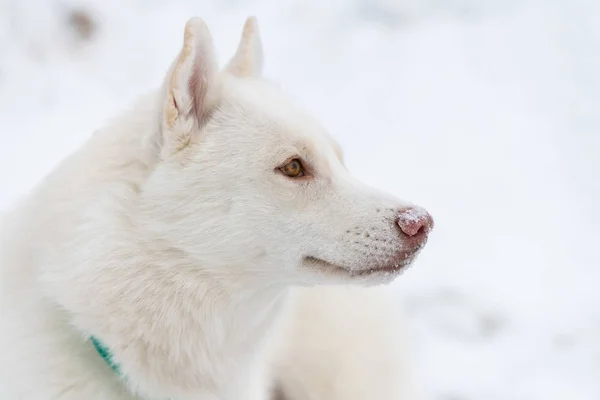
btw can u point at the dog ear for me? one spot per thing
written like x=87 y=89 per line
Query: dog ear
x=190 y=87
x=248 y=58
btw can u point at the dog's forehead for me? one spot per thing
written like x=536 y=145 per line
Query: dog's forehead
x=265 y=105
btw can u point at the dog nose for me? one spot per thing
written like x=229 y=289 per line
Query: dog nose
x=414 y=221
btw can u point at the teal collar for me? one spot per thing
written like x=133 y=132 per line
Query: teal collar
x=105 y=354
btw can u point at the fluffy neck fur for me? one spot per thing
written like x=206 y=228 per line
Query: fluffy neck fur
x=175 y=328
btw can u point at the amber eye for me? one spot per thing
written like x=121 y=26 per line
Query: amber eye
x=293 y=169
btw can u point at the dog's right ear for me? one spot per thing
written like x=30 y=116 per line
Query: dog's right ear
x=189 y=89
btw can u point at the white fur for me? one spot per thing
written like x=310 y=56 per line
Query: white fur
x=172 y=237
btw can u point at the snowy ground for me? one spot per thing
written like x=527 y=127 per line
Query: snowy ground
x=484 y=111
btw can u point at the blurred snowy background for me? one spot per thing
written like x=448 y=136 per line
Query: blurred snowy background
x=487 y=112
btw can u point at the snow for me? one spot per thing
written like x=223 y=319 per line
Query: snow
x=484 y=112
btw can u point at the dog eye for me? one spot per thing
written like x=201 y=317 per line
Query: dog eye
x=293 y=169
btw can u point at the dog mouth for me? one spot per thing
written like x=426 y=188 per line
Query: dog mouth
x=392 y=268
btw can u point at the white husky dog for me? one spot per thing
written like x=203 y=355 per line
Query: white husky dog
x=183 y=243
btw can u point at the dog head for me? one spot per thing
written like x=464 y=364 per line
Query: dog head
x=247 y=183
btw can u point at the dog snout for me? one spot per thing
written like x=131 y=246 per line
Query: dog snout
x=414 y=222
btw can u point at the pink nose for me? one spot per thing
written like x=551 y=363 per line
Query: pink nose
x=414 y=221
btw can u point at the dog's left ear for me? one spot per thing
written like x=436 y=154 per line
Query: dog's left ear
x=248 y=59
